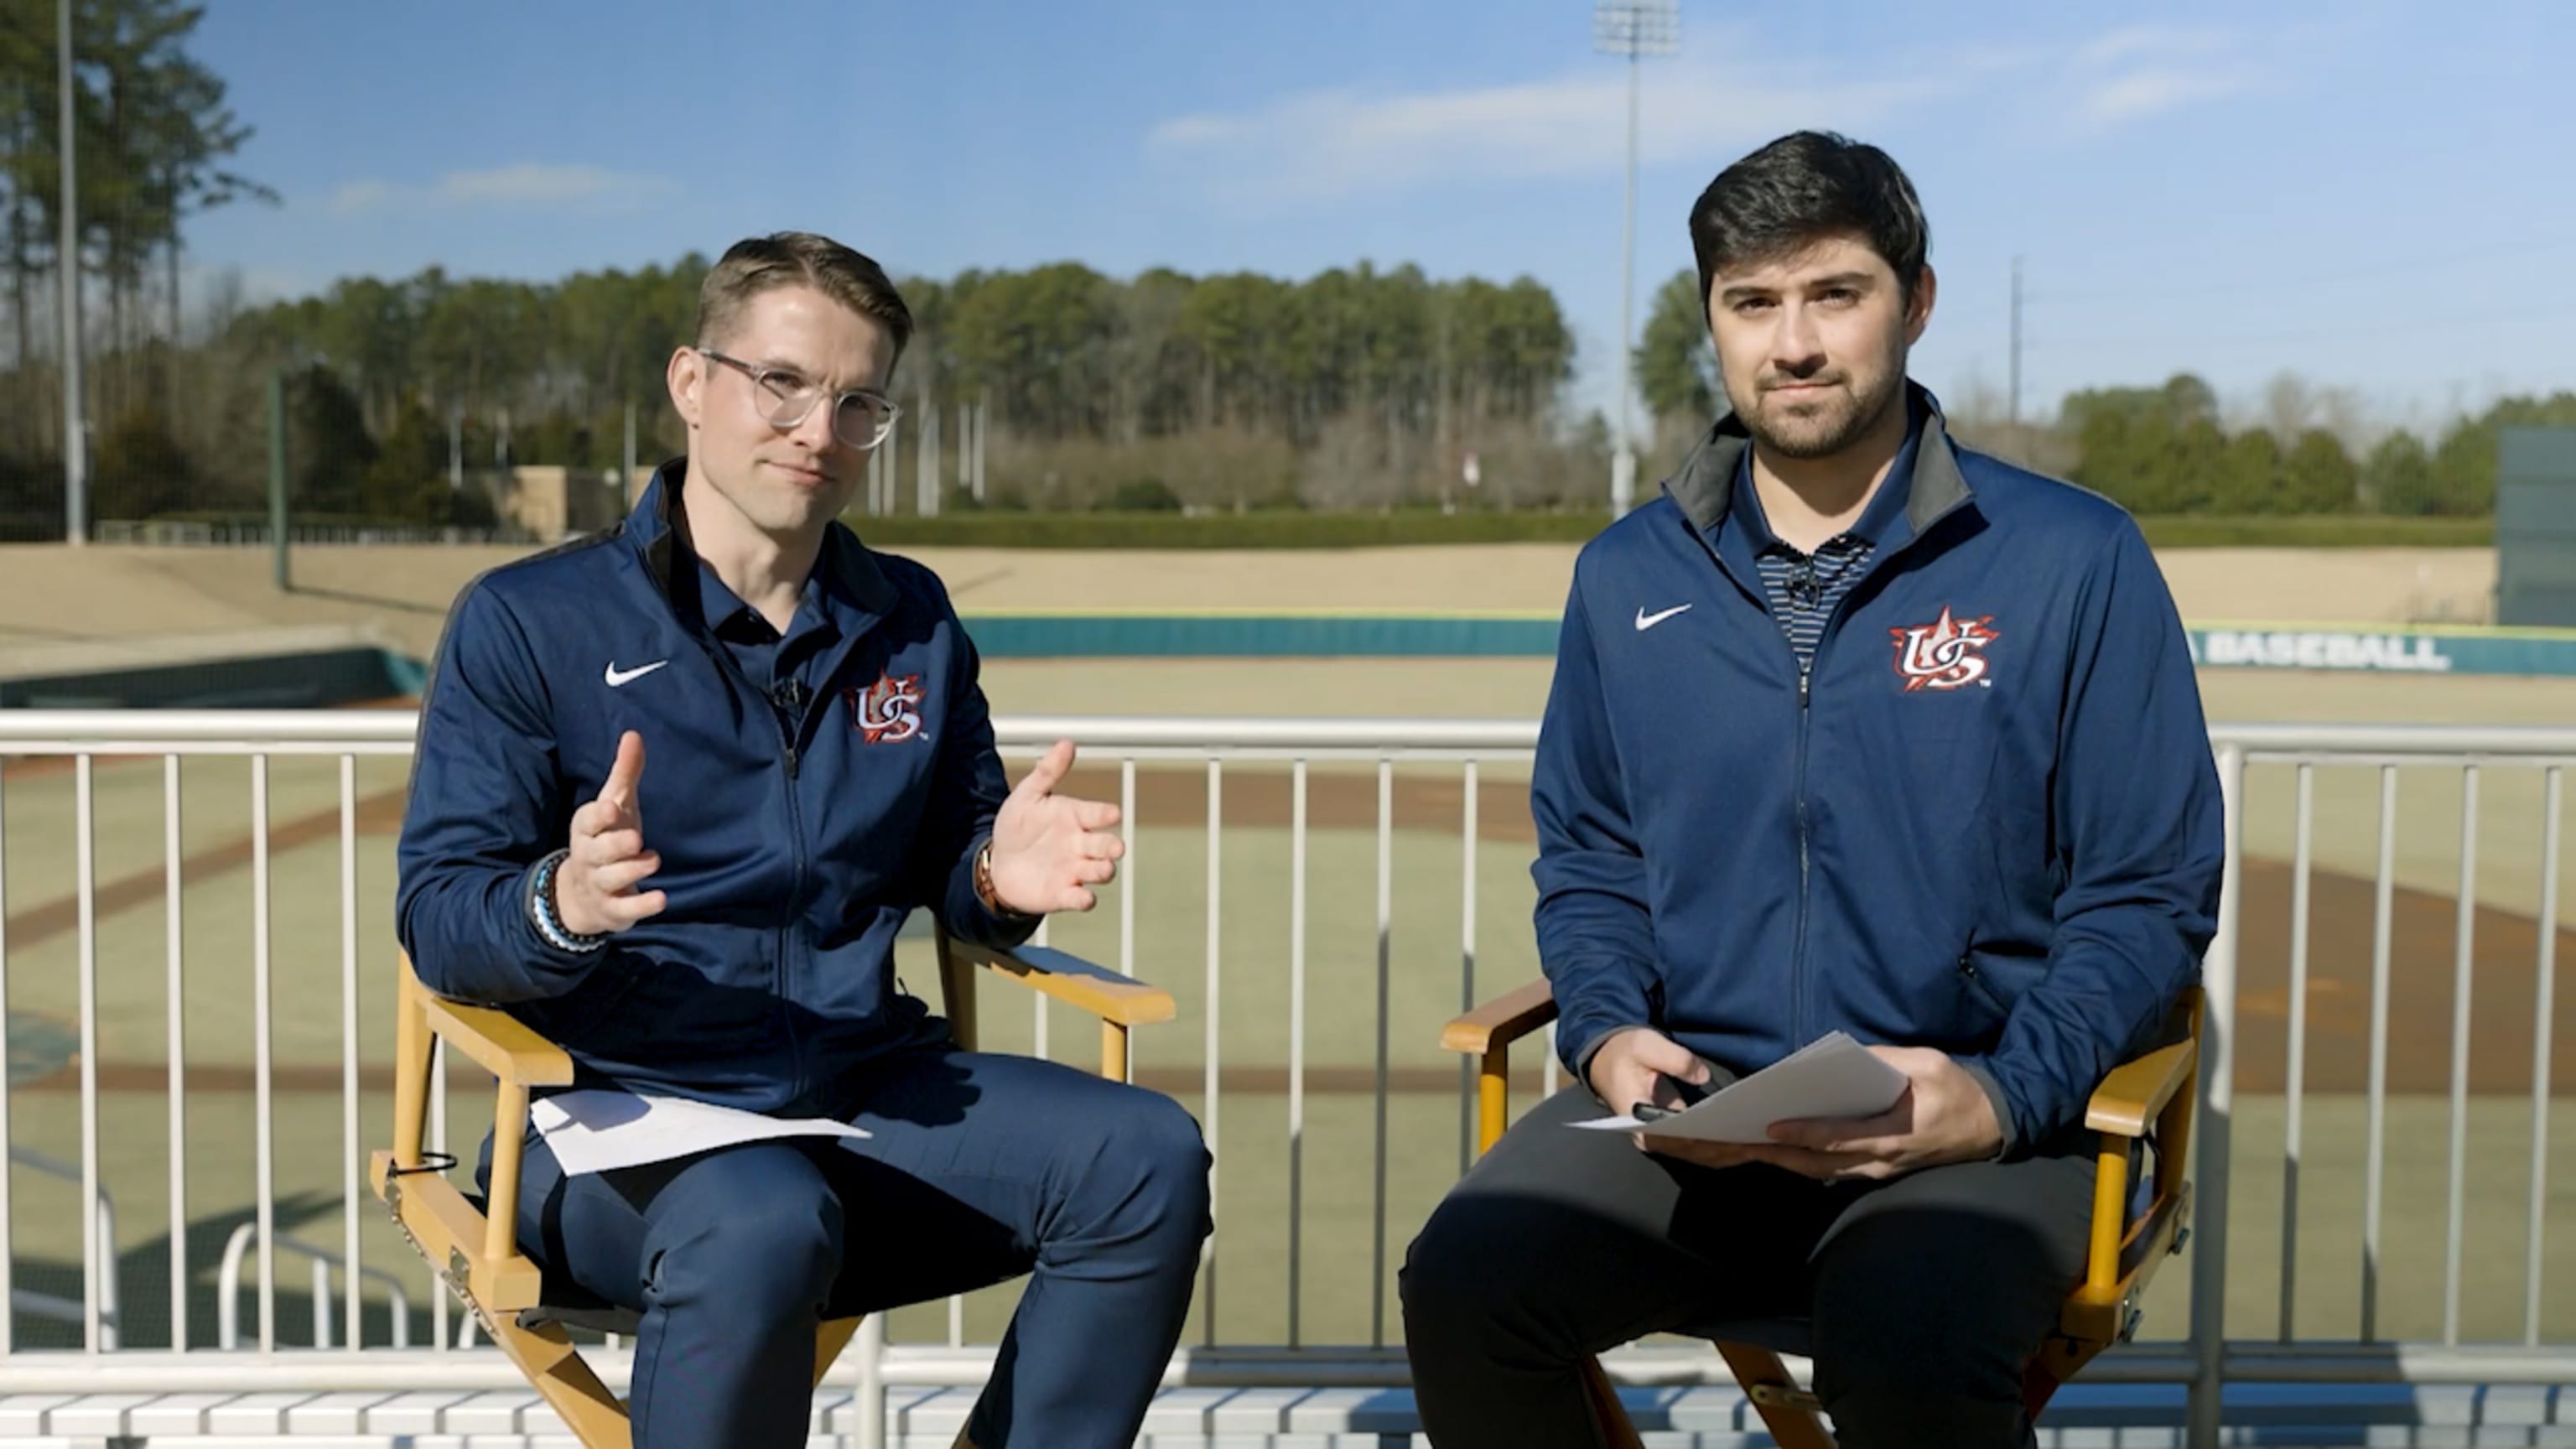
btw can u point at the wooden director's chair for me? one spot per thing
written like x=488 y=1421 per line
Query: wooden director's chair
x=471 y=1243
x=2145 y=1100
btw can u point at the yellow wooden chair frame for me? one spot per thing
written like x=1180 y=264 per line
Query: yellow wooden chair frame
x=2148 y=1099
x=473 y=1248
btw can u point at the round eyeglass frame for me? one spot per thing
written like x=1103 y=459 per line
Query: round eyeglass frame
x=787 y=412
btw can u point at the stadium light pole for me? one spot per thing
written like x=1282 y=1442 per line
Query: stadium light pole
x=1635 y=29
x=67 y=263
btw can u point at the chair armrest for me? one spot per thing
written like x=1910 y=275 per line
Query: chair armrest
x=505 y=1046
x=2138 y=1089
x=1118 y=1000
x=1500 y=1022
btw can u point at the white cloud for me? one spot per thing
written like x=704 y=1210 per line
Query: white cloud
x=1719 y=96
x=2143 y=70
x=2162 y=40
x=1331 y=143
x=2145 y=92
x=528 y=186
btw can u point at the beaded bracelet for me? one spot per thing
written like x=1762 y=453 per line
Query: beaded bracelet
x=541 y=909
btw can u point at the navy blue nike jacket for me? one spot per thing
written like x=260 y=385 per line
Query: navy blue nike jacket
x=1986 y=821
x=790 y=858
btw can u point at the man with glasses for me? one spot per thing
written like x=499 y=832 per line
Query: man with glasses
x=723 y=930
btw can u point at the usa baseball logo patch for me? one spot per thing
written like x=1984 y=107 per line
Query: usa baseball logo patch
x=888 y=712
x=1947 y=654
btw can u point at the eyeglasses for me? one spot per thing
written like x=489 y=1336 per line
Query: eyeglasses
x=860 y=417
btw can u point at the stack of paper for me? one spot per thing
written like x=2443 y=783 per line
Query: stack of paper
x=1832 y=1076
x=595 y=1130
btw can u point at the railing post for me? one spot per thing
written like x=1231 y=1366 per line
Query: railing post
x=869 y=1401
x=2217 y=1104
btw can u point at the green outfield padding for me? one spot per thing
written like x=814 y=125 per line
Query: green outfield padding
x=1110 y=635
x=311 y=679
x=320 y=678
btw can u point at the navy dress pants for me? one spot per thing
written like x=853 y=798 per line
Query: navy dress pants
x=978 y=1168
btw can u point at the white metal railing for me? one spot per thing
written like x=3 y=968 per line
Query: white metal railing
x=2204 y=1358
x=53 y=1306
x=323 y=1260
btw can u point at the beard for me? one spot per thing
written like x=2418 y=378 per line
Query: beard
x=1810 y=425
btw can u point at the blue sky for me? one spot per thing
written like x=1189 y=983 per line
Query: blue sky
x=2372 y=194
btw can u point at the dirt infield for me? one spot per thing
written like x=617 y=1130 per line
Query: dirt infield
x=2423 y=927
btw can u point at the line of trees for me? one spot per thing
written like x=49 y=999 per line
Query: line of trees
x=1353 y=386
x=2165 y=449
x=152 y=141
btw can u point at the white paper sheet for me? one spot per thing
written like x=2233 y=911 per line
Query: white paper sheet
x=1832 y=1076
x=593 y=1130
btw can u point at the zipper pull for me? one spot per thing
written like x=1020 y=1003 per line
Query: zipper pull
x=1805 y=672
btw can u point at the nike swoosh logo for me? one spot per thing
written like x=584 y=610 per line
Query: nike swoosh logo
x=617 y=677
x=1646 y=621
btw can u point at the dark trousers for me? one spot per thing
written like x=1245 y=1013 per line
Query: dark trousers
x=1927 y=1294
x=979 y=1168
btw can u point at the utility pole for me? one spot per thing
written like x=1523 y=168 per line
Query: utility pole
x=67 y=265
x=925 y=460
x=2012 y=403
x=1633 y=28
x=277 y=520
x=892 y=448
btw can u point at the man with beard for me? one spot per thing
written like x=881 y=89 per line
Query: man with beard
x=1854 y=729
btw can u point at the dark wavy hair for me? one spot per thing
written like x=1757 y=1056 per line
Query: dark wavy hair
x=1801 y=189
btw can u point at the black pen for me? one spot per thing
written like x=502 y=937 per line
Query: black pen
x=1692 y=1094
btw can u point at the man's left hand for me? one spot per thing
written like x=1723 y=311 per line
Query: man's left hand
x=1049 y=850
x=1942 y=1117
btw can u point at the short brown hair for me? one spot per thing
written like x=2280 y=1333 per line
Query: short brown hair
x=799 y=259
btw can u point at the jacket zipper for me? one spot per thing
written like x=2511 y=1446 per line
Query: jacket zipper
x=1977 y=982
x=787 y=918
x=1798 y=940
x=1806 y=693
x=796 y=878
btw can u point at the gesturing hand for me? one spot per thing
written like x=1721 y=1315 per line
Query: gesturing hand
x=595 y=886
x=1049 y=850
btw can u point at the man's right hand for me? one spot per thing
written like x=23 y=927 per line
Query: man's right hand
x=1640 y=1065
x=595 y=886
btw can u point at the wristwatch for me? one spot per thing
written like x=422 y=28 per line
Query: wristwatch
x=984 y=887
